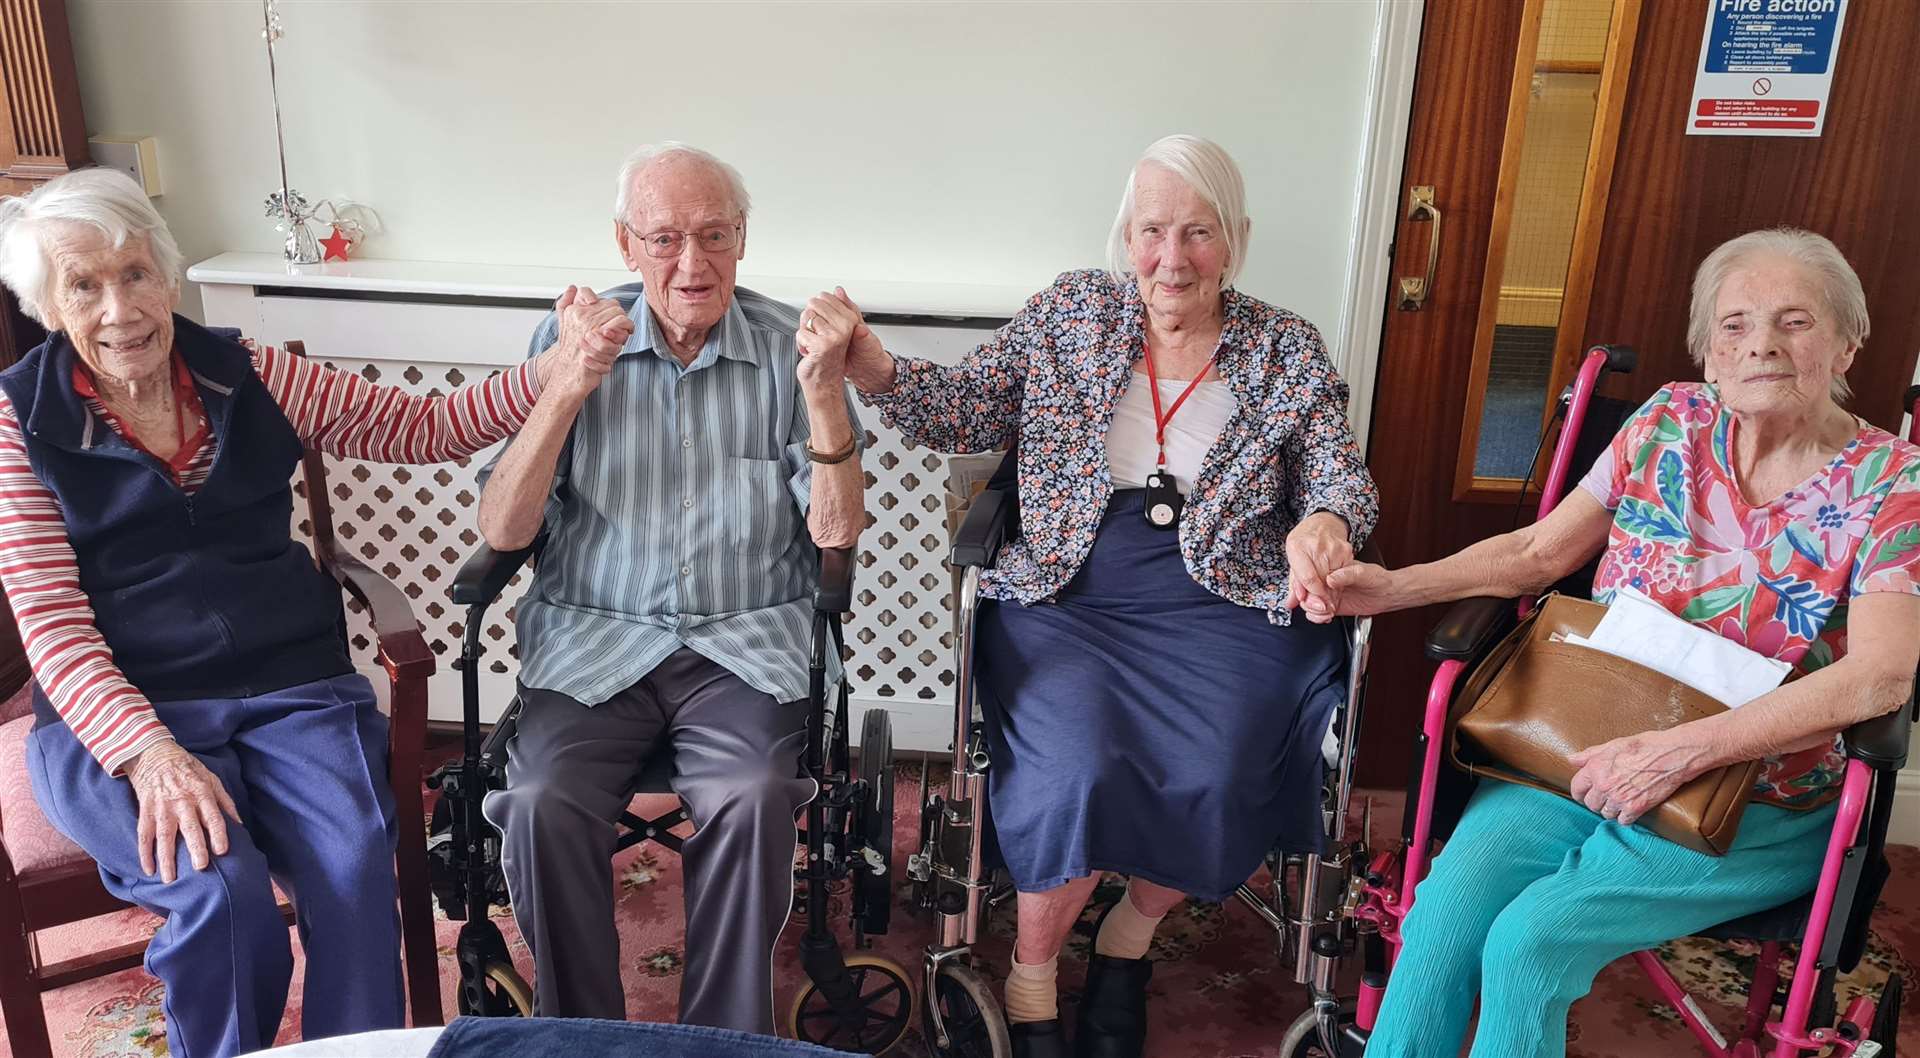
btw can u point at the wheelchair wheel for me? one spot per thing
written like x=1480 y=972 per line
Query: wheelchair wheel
x=873 y=900
x=507 y=994
x=975 y=1026
x=1303 y=1036
x=886 y=1009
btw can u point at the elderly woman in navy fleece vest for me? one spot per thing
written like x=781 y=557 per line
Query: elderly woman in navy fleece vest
x=200 y=732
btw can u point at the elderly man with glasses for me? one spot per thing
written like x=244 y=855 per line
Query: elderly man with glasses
x=682 y=503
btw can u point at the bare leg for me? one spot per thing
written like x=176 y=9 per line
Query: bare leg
x=1046 y=918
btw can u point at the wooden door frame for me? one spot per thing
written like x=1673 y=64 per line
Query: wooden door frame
x=1355 y=340
x=1576 y=291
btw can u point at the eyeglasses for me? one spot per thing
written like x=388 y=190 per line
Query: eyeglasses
x=718 y=238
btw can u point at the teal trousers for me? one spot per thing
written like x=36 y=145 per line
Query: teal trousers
x=1535 y=894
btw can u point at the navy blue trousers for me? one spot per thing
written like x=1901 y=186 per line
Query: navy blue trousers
x=307 y=767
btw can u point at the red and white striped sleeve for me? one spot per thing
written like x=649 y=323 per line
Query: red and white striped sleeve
x=70 y=659
x=343 y=414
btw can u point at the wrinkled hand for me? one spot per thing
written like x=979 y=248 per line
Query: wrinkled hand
x=1315 y=548
x=1628 y=777
x=593 y=330
x=1363 y=588
x=866 y=356
x=863 y=360
x=827 y=328
x=179 y=798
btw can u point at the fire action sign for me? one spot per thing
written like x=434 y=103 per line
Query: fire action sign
x=1766 y=67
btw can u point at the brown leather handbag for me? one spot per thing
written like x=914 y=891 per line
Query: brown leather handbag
x=1534 y=702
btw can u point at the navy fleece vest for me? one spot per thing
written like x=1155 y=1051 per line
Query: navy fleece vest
x=202 y=595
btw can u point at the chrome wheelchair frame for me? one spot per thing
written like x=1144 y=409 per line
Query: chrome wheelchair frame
x=961 y=1017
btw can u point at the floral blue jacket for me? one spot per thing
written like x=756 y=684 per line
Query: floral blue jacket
x=1051 y=378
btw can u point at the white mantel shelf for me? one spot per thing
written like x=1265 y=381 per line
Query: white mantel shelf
x=446 y=279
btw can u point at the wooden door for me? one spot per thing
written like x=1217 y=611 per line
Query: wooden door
x=1676 y=197
x=1652 y=203
x=1469 y=54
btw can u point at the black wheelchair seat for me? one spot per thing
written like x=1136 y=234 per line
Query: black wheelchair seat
x=1788 y=922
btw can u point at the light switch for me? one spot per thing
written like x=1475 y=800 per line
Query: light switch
x=136 y=156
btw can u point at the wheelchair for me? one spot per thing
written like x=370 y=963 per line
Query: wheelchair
x=858 y=1002
x=1363 y=905
x=954 y=874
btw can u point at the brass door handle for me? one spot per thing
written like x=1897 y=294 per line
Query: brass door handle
x=1415 y=290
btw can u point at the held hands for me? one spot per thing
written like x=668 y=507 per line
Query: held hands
x=592 y=332
x=836 y=343
x=827 y=326
x=179 y=798
x=1628 y=777
x=1317 y=547
x=1360 y=589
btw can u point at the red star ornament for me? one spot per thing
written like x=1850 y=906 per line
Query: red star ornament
x=336 y=246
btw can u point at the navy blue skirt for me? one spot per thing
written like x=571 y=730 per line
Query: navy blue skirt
x=1142 y=724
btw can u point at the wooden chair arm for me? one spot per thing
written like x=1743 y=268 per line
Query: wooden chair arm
x=403 y=648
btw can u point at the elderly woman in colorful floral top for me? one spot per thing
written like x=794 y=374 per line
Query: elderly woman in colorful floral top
x=1754 y=505
x=1187 y=475
x=199 y=730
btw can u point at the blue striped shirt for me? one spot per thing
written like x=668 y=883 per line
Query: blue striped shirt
x=678 y=514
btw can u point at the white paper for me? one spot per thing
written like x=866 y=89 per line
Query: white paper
x=1645 y=632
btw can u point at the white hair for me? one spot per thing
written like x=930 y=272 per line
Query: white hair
x=1840 y=287
x=647 y=154
x=107 y=199
x=1210 y=171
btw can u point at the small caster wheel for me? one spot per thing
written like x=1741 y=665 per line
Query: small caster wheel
x=883 y=998
x=975 y=1027
x=1303 y=1036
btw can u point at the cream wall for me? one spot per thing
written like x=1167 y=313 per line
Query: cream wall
x=967 y=142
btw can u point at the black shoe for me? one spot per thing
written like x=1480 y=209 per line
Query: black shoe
x=1113 y=1009
x=1038 y=1039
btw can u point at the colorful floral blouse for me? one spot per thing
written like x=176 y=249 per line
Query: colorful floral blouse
x=1050 y=379
x=1775 y=578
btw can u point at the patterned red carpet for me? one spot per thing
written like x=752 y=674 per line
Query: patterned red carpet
x=1217 y=989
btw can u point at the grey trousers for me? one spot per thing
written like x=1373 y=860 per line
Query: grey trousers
x=572 y=769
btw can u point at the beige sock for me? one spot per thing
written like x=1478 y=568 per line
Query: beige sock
x=1126 y=933
x=1033 y=992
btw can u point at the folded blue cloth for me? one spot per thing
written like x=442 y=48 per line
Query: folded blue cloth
x=523 y=1037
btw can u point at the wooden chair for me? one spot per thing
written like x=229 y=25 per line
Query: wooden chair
x=47 y=881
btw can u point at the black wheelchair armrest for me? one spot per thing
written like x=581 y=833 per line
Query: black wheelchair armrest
x=485 y=573
x=494 y=749
x=1469 y=628
x=834 y=593
x=983 y=530
x=1882 y=741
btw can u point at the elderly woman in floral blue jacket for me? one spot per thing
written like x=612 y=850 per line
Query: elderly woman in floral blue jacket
x=1187 y=478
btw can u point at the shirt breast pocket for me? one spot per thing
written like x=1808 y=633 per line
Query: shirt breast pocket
x=761 y=515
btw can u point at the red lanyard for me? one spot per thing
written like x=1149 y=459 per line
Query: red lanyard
x=1160 y=421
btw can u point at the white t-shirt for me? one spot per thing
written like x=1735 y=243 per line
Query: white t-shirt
x=1131 y=451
